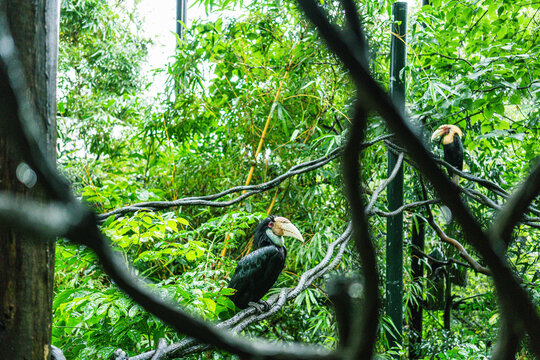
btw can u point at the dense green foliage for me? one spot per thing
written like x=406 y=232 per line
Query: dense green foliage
x=470 y=62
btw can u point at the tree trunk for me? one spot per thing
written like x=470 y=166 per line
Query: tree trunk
x=27 y=264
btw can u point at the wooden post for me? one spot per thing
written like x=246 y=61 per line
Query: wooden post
x=27 y=263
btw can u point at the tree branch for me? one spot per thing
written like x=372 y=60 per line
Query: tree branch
x=385 y=183
x=249 y=316
x=514 y=209
x=457 y=245
x=250 y=190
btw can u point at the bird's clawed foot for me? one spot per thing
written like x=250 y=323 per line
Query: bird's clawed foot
x=261 y=306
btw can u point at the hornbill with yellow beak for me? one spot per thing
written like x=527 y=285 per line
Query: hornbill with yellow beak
x=258 y=271
x=452 y=146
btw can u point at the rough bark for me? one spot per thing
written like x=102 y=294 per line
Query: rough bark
x=27 y=264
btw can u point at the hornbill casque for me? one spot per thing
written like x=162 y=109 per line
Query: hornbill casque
x=452 y=146
x=258 y=271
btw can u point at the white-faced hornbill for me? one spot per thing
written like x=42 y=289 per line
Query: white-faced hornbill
x=258 y=271
x=452 y=146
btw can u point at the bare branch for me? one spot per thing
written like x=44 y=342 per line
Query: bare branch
x=248 y=316
x=448 y=57
x=512 y=212
x=450 y=260
x=453 y=242
x=474 y=194
x=385 y=183
x=250 y=190
x=34 y=218
x=457 y=245
x=404 y=207
x=160 y=351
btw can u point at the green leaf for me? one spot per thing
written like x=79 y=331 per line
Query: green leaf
x=210 y=304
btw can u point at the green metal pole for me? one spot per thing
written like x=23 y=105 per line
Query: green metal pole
x=394 y=236
x=417 y=268
x=181 y=9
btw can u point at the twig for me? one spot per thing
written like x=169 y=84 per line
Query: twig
x=404 y=207
x=448 y=57
x=473 y=26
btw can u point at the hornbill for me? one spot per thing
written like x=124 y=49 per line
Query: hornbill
x=258 y=271
x=452 y=146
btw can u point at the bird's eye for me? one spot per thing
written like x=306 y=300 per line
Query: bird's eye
x=270 y=224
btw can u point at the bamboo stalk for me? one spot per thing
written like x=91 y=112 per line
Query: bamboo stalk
x=263 y=135
x=272 y=203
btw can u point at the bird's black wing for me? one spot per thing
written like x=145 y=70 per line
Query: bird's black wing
x=255 y=274
x=453 y=153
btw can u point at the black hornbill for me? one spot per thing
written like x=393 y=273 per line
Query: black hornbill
x=452 y=146
x=258 y=271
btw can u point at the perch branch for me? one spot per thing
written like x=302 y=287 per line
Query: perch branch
x=385 y=183
x=249 y=316
x=250 y=190
x=457 y=245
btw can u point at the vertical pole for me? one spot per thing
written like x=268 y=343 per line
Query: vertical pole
x=417 y=268
x=180 y=22
x=447 y=297
x=394 y=237
x=180 y=17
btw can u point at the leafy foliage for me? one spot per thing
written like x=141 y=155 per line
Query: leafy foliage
x=260 y=90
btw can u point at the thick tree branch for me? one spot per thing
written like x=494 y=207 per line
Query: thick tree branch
x=511 y=213
x=457 y=245
x=249 y=190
